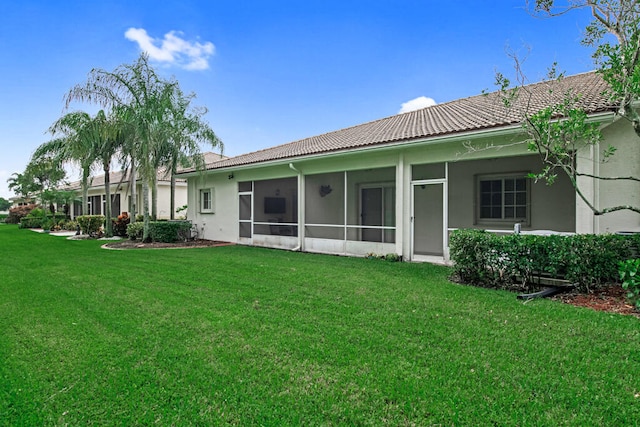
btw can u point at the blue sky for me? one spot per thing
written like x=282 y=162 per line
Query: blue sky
x=271 y=71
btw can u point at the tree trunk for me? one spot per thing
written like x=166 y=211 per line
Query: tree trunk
x=146 y=237
x=85 y=192
x=134 y=193
x=173 y=195
x=154 y=198
x=108 y=227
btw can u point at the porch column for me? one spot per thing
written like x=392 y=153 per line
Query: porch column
x=402 y=211
x=586 y=222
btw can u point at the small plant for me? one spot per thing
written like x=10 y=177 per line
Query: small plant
x=90 y=224
x=135 y=230
x=182 y=209
x=388 y=257
x=630 y=280
x=392 y=257
x=70 y=225
x=120 y=224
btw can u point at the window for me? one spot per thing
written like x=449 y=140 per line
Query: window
x=206 y=200
x=503 y=199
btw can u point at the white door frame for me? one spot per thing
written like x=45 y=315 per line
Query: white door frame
x=445 y=222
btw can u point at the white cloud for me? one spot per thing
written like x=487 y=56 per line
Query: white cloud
x=416 y=104
x=173 y=49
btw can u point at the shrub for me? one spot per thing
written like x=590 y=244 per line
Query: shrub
x=120 y=225
x=37 y=213
x=90 y=224
x=135 y=230
x=32 y=222
x=628 y=270
x=17 y=213
x=169 y=231
x=487 y=259
x=388 y=257
x=70 y=225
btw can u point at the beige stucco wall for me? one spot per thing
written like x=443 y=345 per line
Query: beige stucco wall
x=164 y=196
x=625 y=162
x=552 y=207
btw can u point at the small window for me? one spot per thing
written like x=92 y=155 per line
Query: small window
x=206 y=200
x=503 y=199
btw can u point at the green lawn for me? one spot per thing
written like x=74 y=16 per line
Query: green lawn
x=248 y=336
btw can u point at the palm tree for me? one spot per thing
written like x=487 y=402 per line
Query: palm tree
x=137 y=91
x=109 y=132
x=152 y=106
x=76 y=145
x=21 y=185
x=184 y=133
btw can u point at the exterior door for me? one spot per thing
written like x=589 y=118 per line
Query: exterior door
x=245 y=217
x=371 y=214
x=428 y=223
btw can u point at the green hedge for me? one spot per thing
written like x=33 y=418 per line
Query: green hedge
x=39 y=221
x=161 y=231
x=486 y=259
x=169 y=231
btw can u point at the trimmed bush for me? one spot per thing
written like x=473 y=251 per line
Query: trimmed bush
x=486 y=259
x=169 y=231
x=39 y=220
x=135 y=230
x=90 y=224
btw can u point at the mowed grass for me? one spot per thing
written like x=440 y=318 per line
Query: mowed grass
x=248 y=336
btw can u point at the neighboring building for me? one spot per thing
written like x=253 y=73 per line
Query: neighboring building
x=121 y=193
x=20 y=201
x=403 y=183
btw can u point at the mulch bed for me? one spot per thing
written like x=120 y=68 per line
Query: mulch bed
x=610 y=298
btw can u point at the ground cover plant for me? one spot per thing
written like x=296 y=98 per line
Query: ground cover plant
x=247 y=336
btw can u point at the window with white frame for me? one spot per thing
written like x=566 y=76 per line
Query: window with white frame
x=503 y=198
x=206 y=200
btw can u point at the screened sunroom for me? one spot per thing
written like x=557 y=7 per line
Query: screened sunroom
x=351 y=212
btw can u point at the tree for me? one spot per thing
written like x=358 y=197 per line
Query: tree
x=618 y=60
x=186 y=131
x=4 y=204
x=136 y=90
x=559 y=132
x=22 y=185
x=43 y=174
x=109 y=134
x=75 y=145
x=148 y=106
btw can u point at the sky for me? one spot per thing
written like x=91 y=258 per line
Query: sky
x=270 y=71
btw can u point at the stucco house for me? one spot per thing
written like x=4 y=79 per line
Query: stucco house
x=120 y=189
x=401 y=184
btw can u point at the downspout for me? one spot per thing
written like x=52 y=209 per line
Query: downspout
x=300 y=207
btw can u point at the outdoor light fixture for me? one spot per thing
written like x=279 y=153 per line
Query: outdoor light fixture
x=324 y=190
x=231 y=175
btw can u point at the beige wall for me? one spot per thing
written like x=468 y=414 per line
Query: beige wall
x=552 y=207
x=625 y=162
x=164 y=197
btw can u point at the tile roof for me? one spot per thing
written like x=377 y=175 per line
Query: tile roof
x=162 y=175
x=474 y=113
